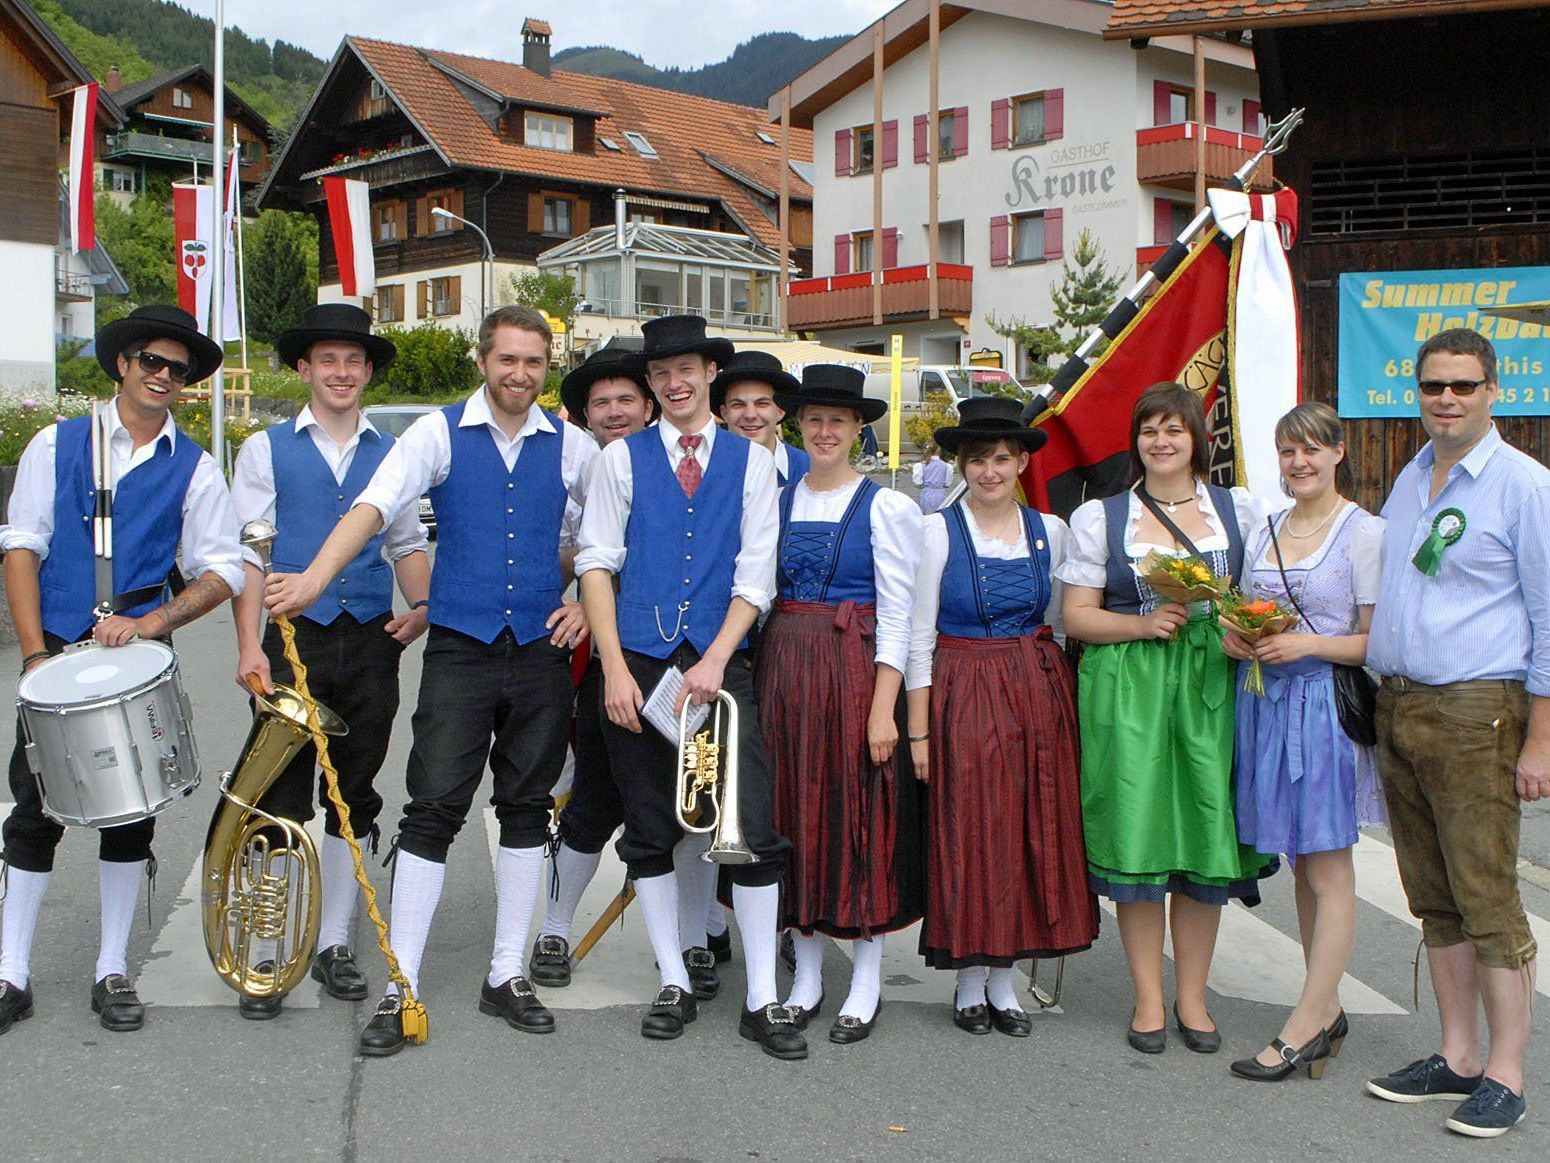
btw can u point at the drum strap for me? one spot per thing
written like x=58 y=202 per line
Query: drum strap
x=131 y=598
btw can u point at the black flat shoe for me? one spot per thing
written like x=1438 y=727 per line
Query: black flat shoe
x=1313 y=1057
x=384 y=1034
x=669 y=1014
x=1337 y=1034
x=848 y=1028
x=515 y=1001
x=721 y=946
x=15 y=1005
x=703 y=978
x=801 y=1016
x=775 y=1030
x=1146 y=1041
x=260 y=1009
x=1012 y=1022
x=115 y=1000
x=549 y=965
x=974 y=1019
x=1200 y=1041
x=340 y=977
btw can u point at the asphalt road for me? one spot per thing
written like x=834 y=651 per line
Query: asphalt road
x=199 y=1082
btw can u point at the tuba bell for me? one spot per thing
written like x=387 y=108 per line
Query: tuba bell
x=707 y=781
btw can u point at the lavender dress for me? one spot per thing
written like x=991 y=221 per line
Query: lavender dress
x=1301 y=784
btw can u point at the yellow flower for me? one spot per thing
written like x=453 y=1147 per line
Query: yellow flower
x=1201 y=573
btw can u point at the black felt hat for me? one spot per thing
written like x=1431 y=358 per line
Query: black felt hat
x=158 y=321
x=343 y=321
x=679 y=334
x=991 y=418
x=759 y=366
x=604 y=363
x=833 y=385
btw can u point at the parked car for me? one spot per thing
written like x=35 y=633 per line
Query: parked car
x=394 y=420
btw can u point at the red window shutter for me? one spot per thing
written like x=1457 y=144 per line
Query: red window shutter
x=890 y=247
x=1054 y=114
x=842 y=254
x=1054 y=240
x=1162 y=221
x=1251 y=117
x=960 y=131
x=1000 y=123
x=1000 y=240
x=922 y=124
x=890 y=144
x=841 y=152
x=1162 y=103
x=1210 y=107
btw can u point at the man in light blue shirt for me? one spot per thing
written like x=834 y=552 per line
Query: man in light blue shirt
x=1461 y=633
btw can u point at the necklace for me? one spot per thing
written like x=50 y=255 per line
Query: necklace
x=1007 y=526
x=1330 y=516
x=1171 y=506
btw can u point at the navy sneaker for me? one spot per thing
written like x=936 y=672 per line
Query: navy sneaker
x=1492 y=1110
x=1423 y=1080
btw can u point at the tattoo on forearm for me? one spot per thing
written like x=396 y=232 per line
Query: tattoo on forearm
x=198 y=598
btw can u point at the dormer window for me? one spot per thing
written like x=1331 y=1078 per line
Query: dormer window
x=642 y=146
x=764 y=137
x=547 y=131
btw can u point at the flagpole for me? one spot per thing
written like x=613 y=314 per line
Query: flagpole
x=242 y=277
x=218 y=247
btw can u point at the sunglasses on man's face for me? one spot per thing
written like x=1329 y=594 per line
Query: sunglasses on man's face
x=1461 y=388
x=152 y=364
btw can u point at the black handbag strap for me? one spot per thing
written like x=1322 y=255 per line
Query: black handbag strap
x=1167 y=522
x=1270 y=523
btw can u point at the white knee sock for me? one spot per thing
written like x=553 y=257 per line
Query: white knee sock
x=696 y=887
x=757 y=907
x=1001 y=990
x=658 y=896
x=416 y=892
x=971 y=987
x=18 y=921
x=339 y=893
x=574 y=871
x=715 y=918
x=807 y=985
x=119 y=885
x=866 y=979
x=518 y=872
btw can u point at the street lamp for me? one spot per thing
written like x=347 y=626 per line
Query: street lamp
x=487 y=265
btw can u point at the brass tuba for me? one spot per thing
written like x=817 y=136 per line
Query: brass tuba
x=707 y=776
x=260 y=880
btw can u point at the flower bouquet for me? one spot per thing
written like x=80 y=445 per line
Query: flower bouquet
x=1253 y=620
x=1180 y=579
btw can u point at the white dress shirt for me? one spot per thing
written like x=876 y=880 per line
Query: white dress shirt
x=209 y=542
x=933 y=563
x=607 y=511
x=1087 y=564
x=896 y=537
x=421 y=458
x=253 y=487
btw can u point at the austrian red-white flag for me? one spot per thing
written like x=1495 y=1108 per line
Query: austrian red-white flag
x=349 y=220
x=83 y=217
x=193 y=227
x=231 y=317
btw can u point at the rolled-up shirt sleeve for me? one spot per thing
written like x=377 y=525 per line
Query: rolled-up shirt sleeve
x=753 y=575
x=211 y=533
x=606 y=511
x=30 y=523
x=419 y=460
x=928 y=600
x=1533 y=537
x=896 y=535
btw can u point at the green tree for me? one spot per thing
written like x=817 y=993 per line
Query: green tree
x=1039 y=342
x=431 y=361
x=1086 y=293
x=554 y=294
x=140 y=239
x=279 y=287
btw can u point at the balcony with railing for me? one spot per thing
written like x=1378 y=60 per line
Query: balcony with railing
x=846 y=300
x=71 y=287
x=1166 y=155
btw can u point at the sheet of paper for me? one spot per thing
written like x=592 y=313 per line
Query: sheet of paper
x=658 y=709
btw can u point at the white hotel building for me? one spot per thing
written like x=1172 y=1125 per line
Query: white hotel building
x=1045 y=129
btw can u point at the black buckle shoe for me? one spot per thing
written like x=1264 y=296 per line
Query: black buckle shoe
x=703 y=978
x=15 y=1005
x=384 y=1034
x=1200 y=1041
x=549 y=965
x=774 y=1028
x=801 y=1015
x=260 y=1009
x=721 y=946
x=515 y=1001
x=335 y=968
x=1013 y=1022
x=669 y=1014
x=974 y=1019
x=118 y=1006
x=848 y=1028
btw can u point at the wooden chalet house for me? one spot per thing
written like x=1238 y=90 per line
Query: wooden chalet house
x=535 y=157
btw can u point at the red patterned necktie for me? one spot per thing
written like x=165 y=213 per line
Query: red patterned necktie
x=689 y=467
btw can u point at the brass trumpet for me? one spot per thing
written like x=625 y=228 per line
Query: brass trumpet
x=707 y=777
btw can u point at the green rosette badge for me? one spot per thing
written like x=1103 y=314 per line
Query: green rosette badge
x=1447 y=527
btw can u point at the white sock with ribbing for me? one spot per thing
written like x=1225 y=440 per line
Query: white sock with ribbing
x=715 y=918
x=757 y=907
x=518 y=872
x=866 y=979
x=339 y=892
x=696 y=887
x=19 y=921
x=971 y=987
x=1001 y=990
x=119 y=887
x=573 y=871
x=807 y=984
x=658 y=896
x=417 y=886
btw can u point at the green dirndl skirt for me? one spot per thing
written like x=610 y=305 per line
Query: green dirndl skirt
x=1157 y=794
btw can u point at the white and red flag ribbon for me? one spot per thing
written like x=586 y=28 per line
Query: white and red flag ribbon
x=83 y=123
x=231 y=317
x=349 y=220
x=193 y=225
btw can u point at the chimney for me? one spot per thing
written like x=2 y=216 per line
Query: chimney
x=535 y=45
x=620 y=216
x=113 y=80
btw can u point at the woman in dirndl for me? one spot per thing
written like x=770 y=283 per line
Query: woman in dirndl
x=1156 y=699
x=992 y=727
x=830 y=672
x=931 y=476
x=1302 y=785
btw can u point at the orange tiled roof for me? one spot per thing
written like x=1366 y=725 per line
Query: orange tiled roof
x=678 y=126
x=1159 y=17
x=539 y=27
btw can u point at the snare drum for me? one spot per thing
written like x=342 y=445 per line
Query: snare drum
x=108 y=733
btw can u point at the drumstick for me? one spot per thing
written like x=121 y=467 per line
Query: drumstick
x=102 y=513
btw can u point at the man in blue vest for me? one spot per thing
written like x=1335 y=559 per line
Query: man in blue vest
x=167 y=490
x=685 y=516
x=743 y=395
x=497 y=660
x=303 y=476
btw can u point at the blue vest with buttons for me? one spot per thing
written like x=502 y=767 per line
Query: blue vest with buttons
x=498 y=534
x=828 y=561
x=798 y=462
x=147 y=522
x=988 y=597
x=308 y=504
x=680 y=555
x=1122 y=591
